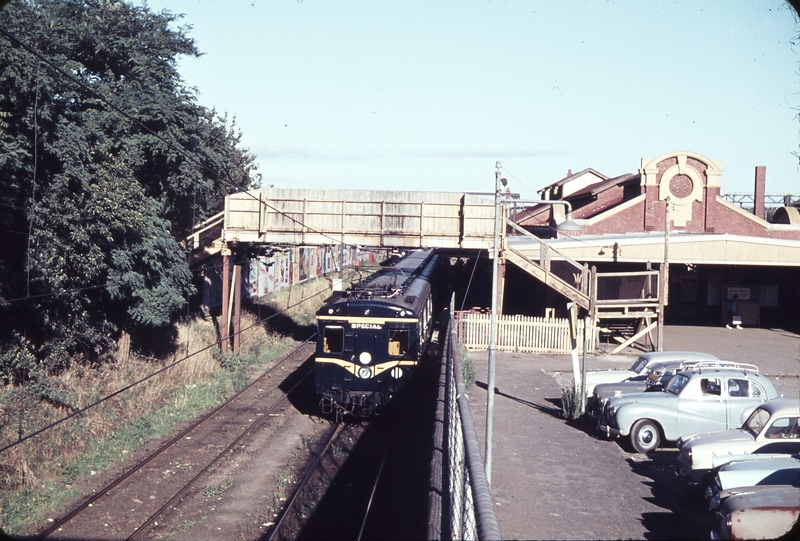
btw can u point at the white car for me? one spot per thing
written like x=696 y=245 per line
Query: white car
x=641 y=367
x=752 y=470
x=772 y=428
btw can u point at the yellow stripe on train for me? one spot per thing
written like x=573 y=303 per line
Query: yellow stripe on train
x=373 y=320
x=375 y=370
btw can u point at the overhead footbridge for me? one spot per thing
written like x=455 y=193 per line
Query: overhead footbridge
x=359 y=217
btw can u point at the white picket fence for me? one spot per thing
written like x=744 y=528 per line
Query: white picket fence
x=518 y=333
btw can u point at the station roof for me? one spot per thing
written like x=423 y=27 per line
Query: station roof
x=688 y=248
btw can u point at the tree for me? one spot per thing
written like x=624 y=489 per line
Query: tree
x=107 y=161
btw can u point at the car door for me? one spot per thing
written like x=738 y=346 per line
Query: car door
x=702 y=406
x=743 y=396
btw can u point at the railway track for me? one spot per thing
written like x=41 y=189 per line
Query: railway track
x=369 y=480
x=138 y=503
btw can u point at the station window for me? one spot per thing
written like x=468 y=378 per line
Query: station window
x=398 y=342
x=333 y=339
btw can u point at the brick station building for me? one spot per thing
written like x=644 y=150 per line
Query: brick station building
x=716 y=249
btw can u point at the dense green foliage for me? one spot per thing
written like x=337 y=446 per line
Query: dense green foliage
x=95 y=202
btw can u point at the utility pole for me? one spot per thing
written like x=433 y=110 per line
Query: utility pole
x=493 y=327
x=664 y=275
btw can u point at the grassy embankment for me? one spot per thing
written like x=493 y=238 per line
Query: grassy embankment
x=41 y=474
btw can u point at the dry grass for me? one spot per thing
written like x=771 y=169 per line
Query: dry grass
x=36 y=474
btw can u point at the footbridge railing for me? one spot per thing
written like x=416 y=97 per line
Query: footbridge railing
x=460 y=499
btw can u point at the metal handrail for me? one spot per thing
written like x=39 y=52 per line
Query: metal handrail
x=488 y=528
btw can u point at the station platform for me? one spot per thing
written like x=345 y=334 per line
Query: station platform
x=552 y=479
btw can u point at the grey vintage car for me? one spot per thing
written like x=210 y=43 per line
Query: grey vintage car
x=752 y=470
x=641 y=367
x=703 y=399
x=759 y=512
x=773 y=427
x=658 y=376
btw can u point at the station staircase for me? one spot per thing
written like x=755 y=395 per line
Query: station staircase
x=621 y=315
x=206 y=239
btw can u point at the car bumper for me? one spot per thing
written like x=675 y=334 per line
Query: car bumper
x=685 y=472
x=609 y=431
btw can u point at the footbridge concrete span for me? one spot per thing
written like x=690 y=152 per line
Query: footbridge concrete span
x=391 y=219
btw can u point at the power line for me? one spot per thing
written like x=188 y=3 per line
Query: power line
x=149 y=376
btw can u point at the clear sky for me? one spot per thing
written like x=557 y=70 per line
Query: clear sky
x=429 y=94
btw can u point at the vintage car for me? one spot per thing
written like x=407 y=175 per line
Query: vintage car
x=658 y=376
x=753 y=470
x=641 y=367
x=702 y=399
x=771 y=428
x=759 y=512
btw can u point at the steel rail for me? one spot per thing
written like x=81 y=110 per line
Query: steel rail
x=211 y=464
x=304 y=481
x=86 y=504
x=372 y=496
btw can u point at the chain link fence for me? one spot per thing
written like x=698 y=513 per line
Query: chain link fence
x=460 y=500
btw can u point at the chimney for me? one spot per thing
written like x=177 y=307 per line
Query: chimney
x=760 y=193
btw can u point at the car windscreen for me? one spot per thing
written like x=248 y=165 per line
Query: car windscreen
x=755 y=423
x=677 y=384
x=639 y=364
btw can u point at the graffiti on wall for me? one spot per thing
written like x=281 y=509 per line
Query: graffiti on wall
x=283 y=268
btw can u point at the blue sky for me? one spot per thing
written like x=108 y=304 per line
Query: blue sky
x=428 y=95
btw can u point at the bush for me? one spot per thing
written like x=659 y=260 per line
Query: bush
x=570 y=403
x=468 y=370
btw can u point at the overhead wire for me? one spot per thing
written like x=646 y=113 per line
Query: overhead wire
x=148 y=377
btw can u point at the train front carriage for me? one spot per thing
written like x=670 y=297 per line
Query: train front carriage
x=372 y=337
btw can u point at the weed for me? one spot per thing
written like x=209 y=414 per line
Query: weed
x=216 y=491
x=282 y=479
x=468 y=370
x=570 y=405
x=187 y=525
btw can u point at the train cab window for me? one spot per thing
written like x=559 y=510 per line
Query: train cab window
x=398 y=342
x=333 y=339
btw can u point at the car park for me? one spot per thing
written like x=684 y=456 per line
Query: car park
x=640 y=368
x=702 y=399
x=758 y=512
x=771 y=428
x=762 y=470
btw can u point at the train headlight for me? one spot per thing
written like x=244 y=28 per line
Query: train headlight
x=397 y=372
x=364 y=357
x=364 y=372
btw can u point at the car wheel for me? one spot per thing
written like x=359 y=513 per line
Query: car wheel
x=645 y=436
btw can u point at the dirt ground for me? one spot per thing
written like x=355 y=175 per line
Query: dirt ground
x=556 y=480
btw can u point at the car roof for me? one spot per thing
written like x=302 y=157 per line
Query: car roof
x=662 y=356
x=781 y=406
x=721 y=367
